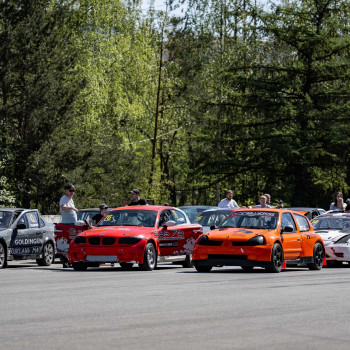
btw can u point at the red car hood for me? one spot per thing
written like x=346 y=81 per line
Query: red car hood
x=117 y=231
x=235 y=234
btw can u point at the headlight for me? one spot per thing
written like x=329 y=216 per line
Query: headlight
x=129 y=240
x=204 y=240
x=257 y=240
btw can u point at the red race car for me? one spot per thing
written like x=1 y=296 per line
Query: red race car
x=139 y=235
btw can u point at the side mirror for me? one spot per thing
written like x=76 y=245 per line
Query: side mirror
x=21 y=226
x=169 y=223
x=287 y=229
x=213 y=227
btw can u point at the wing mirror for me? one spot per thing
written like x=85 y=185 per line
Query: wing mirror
x=21 y=226
x=213 y=227
x=287 y=229
x=169 y=223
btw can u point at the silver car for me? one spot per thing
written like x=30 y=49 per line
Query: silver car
x=25 y=235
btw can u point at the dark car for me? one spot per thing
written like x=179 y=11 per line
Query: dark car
x=193 y=211
x=212 y=217
x=25 y=235
x=310 y=213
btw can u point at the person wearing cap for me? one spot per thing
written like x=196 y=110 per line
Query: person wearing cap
x=97 y=217
x=67 y=208
x=135 y=198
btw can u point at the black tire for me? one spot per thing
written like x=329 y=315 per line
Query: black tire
x=247 y=268
x=149 y=258
x=276 y=264
x=125 y=265
x=64 y=261
x=187 y=263
x=3 y=256
x=79 y=266
x=48 y=255
x=318 y=256
x=203 y=268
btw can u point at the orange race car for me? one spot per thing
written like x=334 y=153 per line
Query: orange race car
x=269 y=238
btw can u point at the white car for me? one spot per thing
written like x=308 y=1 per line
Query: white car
x=334 y=228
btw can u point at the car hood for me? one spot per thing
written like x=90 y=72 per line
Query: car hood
x=117 y=231
x=329 y=235
x=235 y=234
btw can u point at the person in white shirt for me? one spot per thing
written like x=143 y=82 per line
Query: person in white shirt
x=67 y=208
x=228 y=202
x=263 y=204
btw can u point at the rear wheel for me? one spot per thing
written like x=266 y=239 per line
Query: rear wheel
x=125 y=265
x=79 y=266
x=3 y=259
x=187 y=263
x=203 y=268
x=318 y=257
x=276 y=263
x=48 y=255
x=149 y=258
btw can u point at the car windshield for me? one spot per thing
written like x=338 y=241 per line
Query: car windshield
x=251 y=219
x=212 y=218
x=331 y=223
x=5 y=219
x=129 y=217
x=86 y=214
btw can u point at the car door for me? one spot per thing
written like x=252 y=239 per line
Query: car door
x=27 y=236
x=177 y=239
x=291 y=241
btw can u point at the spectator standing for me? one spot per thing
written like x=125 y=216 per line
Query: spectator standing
x=67 y=208
x=268 y=198
x=263 y=204
x=347 y=208
x=135 y=198
x=228 y=202
x=338 y=204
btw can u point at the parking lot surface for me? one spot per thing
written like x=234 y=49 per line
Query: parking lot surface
x=173 y=308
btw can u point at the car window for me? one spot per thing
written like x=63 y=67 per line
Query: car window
x=41 y=222
x=165 y=216
x=287 y=220
x=302 y=223
x=178 y=217
x=5 y=219
x=23 y=220
x=32 y=219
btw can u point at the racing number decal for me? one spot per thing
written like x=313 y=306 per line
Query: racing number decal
x=166 y=235
x=108 y=217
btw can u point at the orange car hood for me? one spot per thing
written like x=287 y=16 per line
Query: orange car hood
x=235 y=234
x=117 y=231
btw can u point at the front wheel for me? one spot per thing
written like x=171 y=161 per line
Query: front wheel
x=276 y=263
x=318 y=257
x=48 y=255
x=3 y=259
x=79 y=266
x=149 y=258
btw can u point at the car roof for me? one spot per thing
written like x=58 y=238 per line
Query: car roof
x=334 y=215
x=144 y=207
x=214 y=210
x=14 y=209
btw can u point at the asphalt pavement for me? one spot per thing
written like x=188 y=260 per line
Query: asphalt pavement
x=173 y=308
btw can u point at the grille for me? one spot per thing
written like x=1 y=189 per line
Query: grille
x=227 y=256
x=94 y=240
x=108 y=240
x=80 y=239
x=240 y=243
